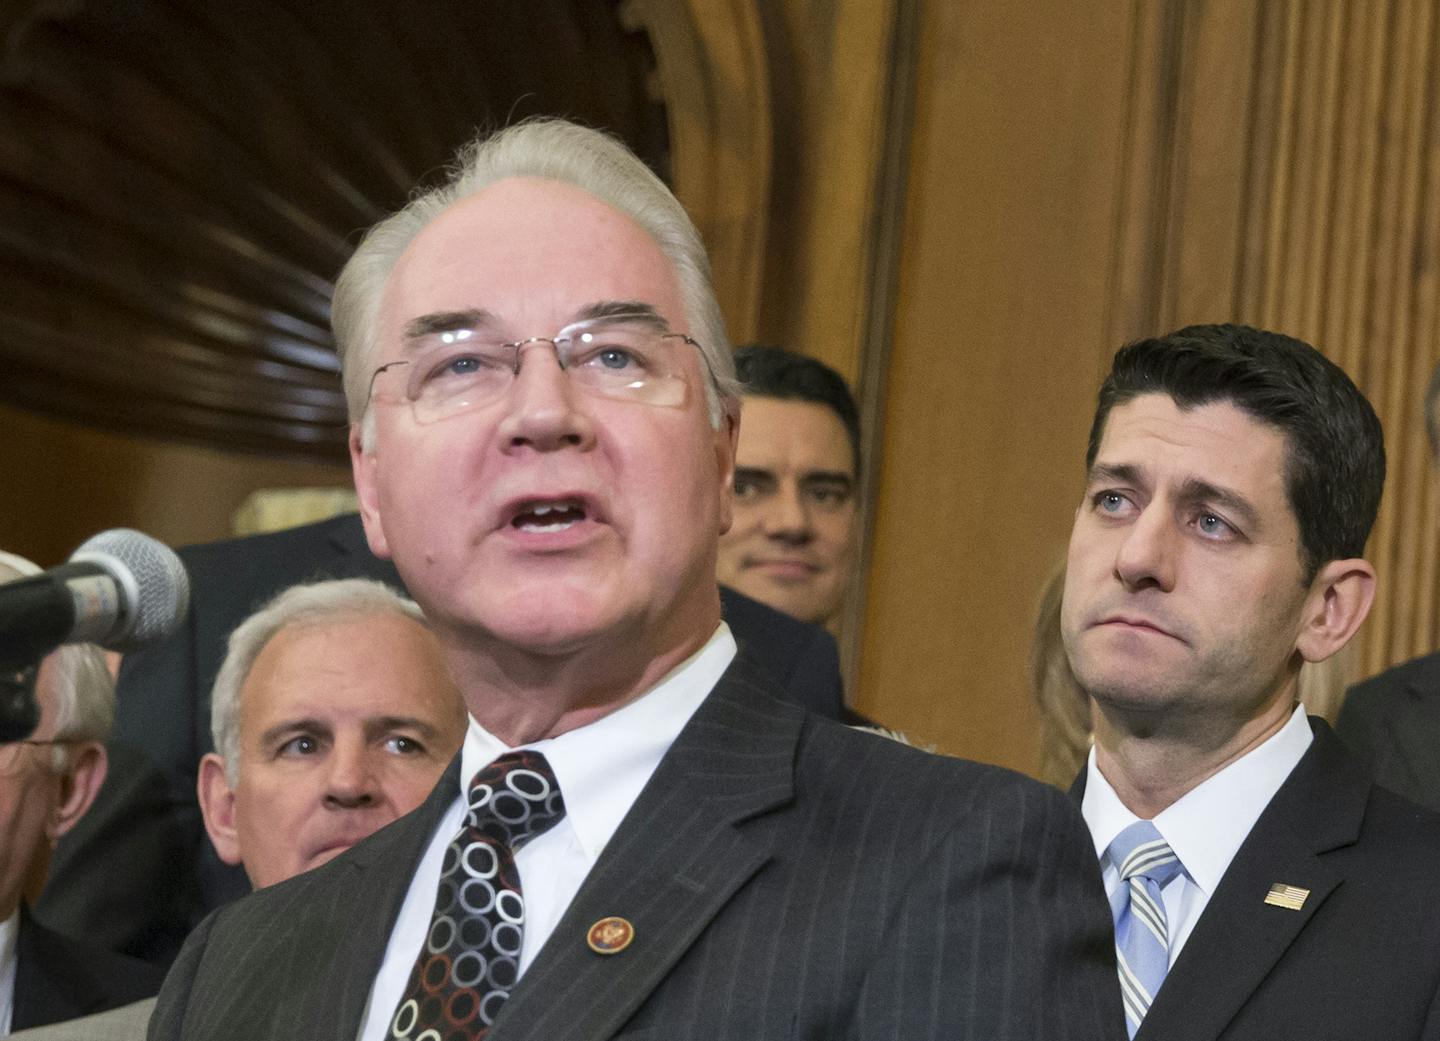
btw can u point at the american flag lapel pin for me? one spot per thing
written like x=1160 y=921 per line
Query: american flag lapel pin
x=1291 y=898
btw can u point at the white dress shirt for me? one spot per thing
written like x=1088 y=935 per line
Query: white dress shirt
x=1205 y=827
x=9 y=931
x=601 y=768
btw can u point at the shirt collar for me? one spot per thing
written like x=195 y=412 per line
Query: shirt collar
x=602 y=766
x=1207 y=824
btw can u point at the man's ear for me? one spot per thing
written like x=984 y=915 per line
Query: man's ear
x=1339 y=599
x=362 y=469
x=727 y=438
x=217 y=807
x=86 y=772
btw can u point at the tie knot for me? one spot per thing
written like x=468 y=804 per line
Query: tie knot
x=515 y=798
x=1141 y=852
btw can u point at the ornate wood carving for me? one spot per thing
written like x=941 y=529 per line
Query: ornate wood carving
x=180 y=181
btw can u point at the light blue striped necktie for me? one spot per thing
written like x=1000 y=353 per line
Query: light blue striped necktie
x=1142 y=935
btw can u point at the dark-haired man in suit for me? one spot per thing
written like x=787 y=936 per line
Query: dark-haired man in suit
x=1263 y=887
x=638 y=839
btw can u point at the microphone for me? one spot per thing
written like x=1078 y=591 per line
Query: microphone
x=120 y=589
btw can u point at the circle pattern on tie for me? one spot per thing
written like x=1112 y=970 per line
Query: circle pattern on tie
x=471 y=956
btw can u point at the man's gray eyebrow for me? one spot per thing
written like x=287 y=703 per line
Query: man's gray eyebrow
x=480 y=318
x=620 y=308
x=302 y=725
x=383 y=724
x=447 y=321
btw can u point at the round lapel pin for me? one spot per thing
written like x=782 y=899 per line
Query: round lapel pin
x=610 y=935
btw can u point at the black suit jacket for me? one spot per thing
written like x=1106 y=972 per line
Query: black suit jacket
x=787 y=878
x=57 y=978
x=1360 y=960
x=138 y=871
x=1392 y=723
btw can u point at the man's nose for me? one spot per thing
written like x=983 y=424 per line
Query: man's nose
x=1146 y=556
x=788 y=516
x=543 y=408
x=352 y=782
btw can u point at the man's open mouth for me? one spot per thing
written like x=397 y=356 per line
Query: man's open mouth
x=542 y=516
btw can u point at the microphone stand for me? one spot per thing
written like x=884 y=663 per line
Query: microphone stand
x=19 y=712
x=37 y=613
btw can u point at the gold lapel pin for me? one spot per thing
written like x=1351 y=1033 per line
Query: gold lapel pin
x=1291 y=898
x=610 y=935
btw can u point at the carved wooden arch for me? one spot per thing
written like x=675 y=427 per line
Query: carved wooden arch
x=712 y=64
x=180 y=181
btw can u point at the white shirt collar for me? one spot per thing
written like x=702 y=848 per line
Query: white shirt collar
x=9 y=933
x=1206 y=826
x=602 y=766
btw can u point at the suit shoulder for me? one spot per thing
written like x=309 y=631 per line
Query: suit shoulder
x=265 y=546
x=1410 y=831
x=86 y=969
x=1422 y=674
x=872 y=759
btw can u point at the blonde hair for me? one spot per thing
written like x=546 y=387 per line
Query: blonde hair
x=1065 y=725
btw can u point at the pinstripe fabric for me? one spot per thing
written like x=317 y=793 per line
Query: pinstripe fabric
x=787 y=878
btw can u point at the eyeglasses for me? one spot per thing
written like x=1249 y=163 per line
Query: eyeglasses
x=629 y=356
x=12 y=763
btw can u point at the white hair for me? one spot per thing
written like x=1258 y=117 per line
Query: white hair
x=548 y=149
x=81 y=684
x=312 y=603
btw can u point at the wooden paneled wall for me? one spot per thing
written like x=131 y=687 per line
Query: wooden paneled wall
x=966 y=207
x=998 y=336
x=1081 y=178
x=64 y=482
x=1297 y=186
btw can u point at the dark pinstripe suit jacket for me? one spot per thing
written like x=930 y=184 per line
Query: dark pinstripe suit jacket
x=787 y=878
x=138 y=872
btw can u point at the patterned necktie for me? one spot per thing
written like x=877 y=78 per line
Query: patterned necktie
x=471 y=956
x=1142 y=935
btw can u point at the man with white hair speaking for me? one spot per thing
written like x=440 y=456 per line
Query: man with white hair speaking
x=638 y=837
x=47 y=782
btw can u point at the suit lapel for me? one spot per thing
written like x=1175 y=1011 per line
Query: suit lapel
x=382 y=868
x=47 y=989
x=1239 y=938
x=678 y=857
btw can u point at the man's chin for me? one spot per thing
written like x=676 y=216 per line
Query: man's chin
x=557 y=622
